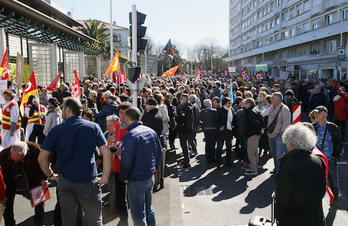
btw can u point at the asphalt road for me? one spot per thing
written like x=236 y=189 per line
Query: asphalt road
x=203 y=195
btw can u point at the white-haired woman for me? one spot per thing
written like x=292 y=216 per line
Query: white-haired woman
x=301 y=181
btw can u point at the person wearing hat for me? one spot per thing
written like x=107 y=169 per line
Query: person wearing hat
x=330 y=143
x=153 y=118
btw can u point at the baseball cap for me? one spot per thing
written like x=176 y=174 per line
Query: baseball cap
x=321 y=109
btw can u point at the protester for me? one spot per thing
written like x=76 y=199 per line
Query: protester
x=300 y=185
x=77 y=173
x=141 y=157
x=279 y=114
x=11 y=120
x=207 y=117
x=330 y=143
x=36 y=120
x=184 y=120
x=225 y=123
x=253 y=123
x=22 y=172
x=53 y=115
x=109 y=109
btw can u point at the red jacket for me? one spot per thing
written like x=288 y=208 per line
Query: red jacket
x=341 y=110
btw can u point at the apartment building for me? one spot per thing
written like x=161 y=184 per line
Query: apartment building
x=306 y=38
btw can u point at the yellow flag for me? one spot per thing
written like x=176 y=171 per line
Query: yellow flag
x=114 y=66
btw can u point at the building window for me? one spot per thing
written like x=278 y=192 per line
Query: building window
x=277 y=20
x=331 y=46
x=345 y=14
x=299 y=29
x=292 y=12
x=315 y=49
x=285 y=34
x=271 y=23
x=277 y=37
x=316 y=24
x=278 y=2
x=285 y=16
x=299 y=9
x=307 y=5
x=329 y=19
x=306 y=27
x=271 y=5
x=292 y=32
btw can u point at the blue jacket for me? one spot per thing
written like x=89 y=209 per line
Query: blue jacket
x=141 y=153
x=110 y=109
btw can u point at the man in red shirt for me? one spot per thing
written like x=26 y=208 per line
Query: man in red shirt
x=120 y=186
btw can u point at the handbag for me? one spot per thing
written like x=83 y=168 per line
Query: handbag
x=273 y=124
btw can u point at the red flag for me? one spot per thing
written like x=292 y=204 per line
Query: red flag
x=5 y=68
x=30 y=89
x=259 y=76
x=199 y=73
x=76 y=92
x=340 y=89
x=53 y=85
x=183 y=74
x=226 y=72
x=141 y=75
x=121 y=78
x=114 y=76
x=244 y=76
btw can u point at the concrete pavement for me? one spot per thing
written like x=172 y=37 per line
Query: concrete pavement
x=203 y=195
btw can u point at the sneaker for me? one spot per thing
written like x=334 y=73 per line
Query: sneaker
x=246 y=166
x=250 y=172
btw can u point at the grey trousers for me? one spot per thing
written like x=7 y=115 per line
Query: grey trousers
x=87 y=194
x=253 y=153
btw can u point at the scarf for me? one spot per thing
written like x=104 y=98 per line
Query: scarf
x=229 y=118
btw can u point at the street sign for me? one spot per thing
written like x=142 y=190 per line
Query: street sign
x=260 y=67
x=341 y=53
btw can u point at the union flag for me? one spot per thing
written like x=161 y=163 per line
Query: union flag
x=244 y=76
x=5 y=68
x=30 y=89
x=76 y=92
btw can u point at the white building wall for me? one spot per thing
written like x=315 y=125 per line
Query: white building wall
x=262 y=28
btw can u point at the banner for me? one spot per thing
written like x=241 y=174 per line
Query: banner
x=171 y=71
x=5 y=68
x=3 y=87
x=259 y=76
x=283 y=75
x=54 y=84
x=19 y=69
x=114 y=66
x=121 y=78
x=30 y=89
x=244 y=76
x=76 y=91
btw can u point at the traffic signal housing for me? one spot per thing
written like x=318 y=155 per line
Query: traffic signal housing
x=141 y=30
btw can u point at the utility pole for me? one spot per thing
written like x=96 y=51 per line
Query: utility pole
x=134 y=51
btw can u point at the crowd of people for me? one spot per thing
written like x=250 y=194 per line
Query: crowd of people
x=245 y=121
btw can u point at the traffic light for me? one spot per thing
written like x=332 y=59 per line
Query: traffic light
x=141 y=30
x=133 y=73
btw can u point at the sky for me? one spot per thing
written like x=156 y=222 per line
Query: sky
x=185 y=22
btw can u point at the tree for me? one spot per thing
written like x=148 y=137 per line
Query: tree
x=95 y=29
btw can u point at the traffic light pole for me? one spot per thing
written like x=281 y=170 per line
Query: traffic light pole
x=134 y=52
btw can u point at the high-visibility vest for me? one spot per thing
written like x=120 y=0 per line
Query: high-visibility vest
x=6 y=117
x=36 y=116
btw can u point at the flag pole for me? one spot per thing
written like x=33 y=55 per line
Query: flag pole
x=111 y=33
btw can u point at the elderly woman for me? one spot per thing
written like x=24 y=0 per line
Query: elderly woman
x=301 y=182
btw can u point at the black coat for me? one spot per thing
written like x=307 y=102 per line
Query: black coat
x=300 y=188
x=154 y=120
x=222 y=121
x=253 y=122
x=184 y=118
